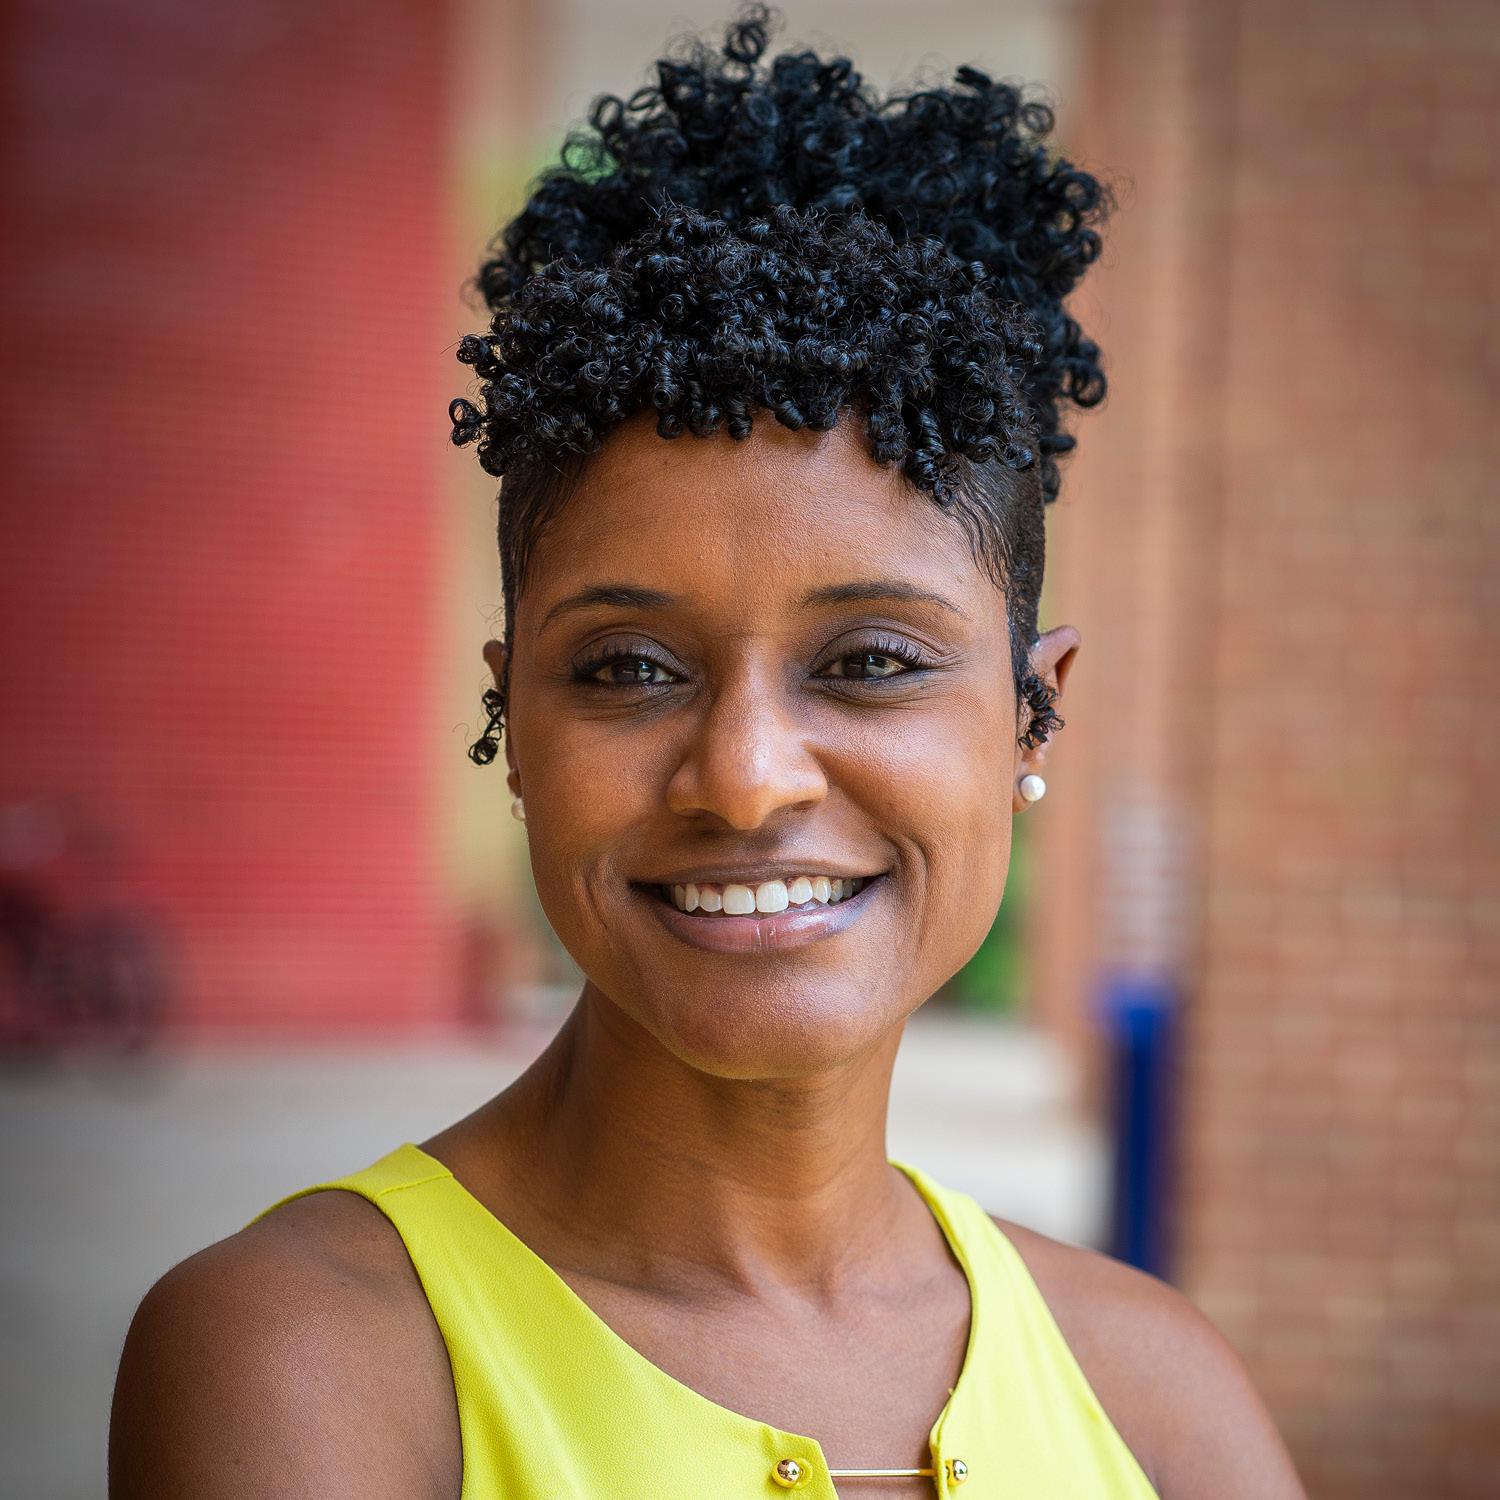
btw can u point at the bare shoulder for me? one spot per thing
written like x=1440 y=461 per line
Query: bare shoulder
x=1168 y=1379
x=295 y=1358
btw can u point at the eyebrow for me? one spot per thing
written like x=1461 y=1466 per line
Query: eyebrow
x=856 y=591
x=865 y=590
x=621 y=595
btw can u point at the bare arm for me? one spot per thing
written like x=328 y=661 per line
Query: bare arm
x=281 y=1363
x=1170 y=1383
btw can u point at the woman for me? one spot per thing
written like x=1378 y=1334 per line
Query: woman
x=771 y=692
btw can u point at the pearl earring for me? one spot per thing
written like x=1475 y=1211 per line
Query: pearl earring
x=518 y=809
x=1033 y=788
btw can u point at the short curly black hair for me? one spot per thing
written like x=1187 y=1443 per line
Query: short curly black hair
x=750 y=236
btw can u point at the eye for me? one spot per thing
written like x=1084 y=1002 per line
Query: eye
x=875 y=662
x=867 y=664
x=622 y=669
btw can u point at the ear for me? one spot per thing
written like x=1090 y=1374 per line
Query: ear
x=495 y=655
x=1052 y=660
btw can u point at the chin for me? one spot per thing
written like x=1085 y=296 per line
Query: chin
x=770 y=1031
x=789 y=995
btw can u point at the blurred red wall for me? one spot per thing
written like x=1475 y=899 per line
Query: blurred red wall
x=224 y=390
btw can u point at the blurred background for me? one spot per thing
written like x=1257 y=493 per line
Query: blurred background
x=261 y=919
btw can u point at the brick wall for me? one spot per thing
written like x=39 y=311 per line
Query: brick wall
x=225 y=383
x=1281 y=547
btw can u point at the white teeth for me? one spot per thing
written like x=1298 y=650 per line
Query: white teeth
x=768 y=897
x=739 y=901
x=771 y=896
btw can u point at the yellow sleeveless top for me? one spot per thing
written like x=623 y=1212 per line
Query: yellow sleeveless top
x=554 y=1405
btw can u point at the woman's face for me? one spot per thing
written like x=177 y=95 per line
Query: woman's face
x=756 y=668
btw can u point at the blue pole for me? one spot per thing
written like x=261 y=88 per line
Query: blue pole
x=1140 y=1014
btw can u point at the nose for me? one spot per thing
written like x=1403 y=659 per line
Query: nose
x=747 y=759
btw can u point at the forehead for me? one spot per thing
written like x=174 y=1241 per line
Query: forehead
x=747 y=523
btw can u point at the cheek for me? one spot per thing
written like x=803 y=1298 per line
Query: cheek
x=940 y=786
x=581 y=804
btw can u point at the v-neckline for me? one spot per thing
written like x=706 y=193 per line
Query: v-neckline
x=624 y=1349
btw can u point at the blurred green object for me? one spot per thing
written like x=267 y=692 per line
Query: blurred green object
x=991 y=983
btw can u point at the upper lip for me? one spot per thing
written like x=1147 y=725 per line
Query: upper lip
x=758 y=872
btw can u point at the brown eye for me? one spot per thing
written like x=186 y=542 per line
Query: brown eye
x=883 y=660
x=633 y=669
x=623 y=669
x=869 y=664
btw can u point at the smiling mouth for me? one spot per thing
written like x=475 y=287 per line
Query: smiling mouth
x=715 y=901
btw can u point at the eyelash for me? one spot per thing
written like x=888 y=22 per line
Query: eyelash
x=890 y=648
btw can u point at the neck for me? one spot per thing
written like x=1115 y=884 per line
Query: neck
x=675 y=1175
